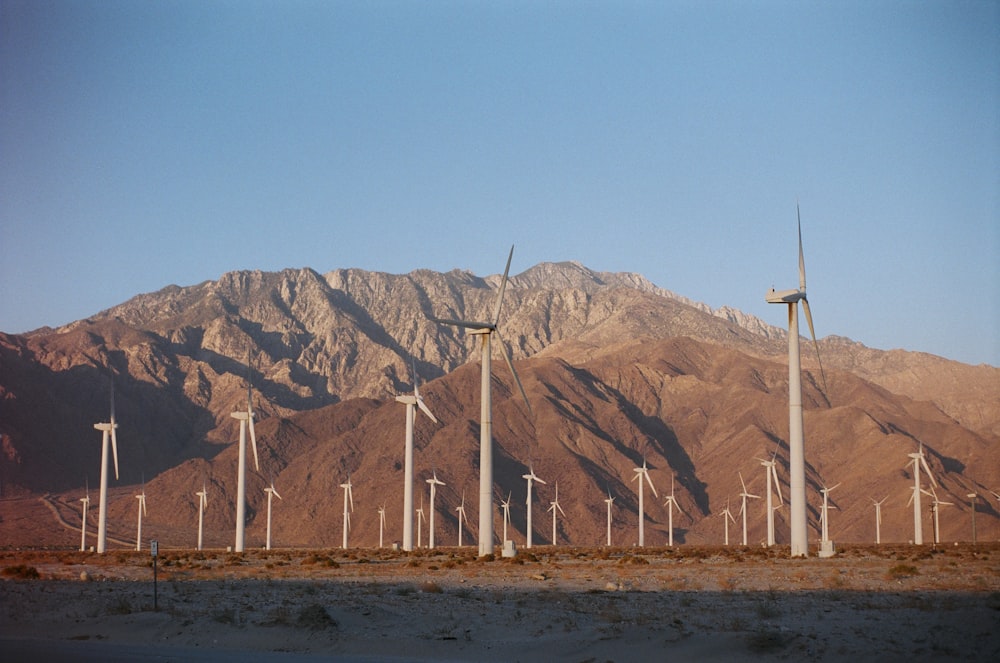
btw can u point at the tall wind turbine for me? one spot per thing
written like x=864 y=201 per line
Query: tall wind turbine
x=640 y=473
x=671 y=503
x=421 y=517
x=743 y=509
x=107 y=432
x=202 y=505
x=412 y=402
x=506 y=515
x=246 y=421
x=461 y=517
x=434 y=482
x=878 y=519
x=826 y=511
x=935 y=508
x=553 y=508
x=918 y=460
x=348 y=499
x=770 y=471
x=83 y=526
x=381 y=524
x=486 y=330
x=271 y=492
x=796 y=438
x=530 y=477
x=609 y=502
x=726 y=516
x=142 y=512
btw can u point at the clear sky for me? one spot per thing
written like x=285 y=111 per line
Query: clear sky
x=151 y=143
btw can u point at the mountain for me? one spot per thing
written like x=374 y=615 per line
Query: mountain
x=617 y=370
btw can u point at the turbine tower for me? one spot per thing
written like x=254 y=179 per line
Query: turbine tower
x=826 y=512
x=421 y=517
x=246 y=421
x=935 y=508
x=918 y=460
x=434 y=482
x=506 y=515
x=726 y=516
x=530 y=477
x=271 y=492
x=973 y=497
x=381 y=524
x=461 y=517
x=796 y=438
x=671 y=503
x=83 y=526
x=553 y=508
x=486 y=330
x=770 y=471
x=878 y=519
x=142 y=512
x=348 y=499
x=107 y=433
x=609 y=502
x=412 y=402
x=743 y=509
x=202 y=505
x=640 y=473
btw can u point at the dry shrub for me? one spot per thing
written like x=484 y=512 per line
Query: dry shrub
x=21 y=572
x=900 y=571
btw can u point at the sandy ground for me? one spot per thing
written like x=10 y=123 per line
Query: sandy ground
x=564 y=604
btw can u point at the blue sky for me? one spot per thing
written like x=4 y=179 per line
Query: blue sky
x=153 y=143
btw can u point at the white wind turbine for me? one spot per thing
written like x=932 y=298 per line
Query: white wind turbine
x=878 y=519
x=348 y=499
x=530 y=478
x=973 y=498
x=743 y=508
x=461 y=517
x=935 y=508
x=107 y=433
x=671 y=502
x=412 y=402
x=486 y=330
x=271 y=492
x=553 y=508
x=83 y=526
x=640 y=473
x=726 y=516
x=421 y=517
x=246 y=421
x=609 y=502
x=918 y=460
x=771 y=471
x=796 y=438
x=434 y=482
x=506 y=515
x=142 y=512
x=825 y=515
x=202 y=505
x=381 y=524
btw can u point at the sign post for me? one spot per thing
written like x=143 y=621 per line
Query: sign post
x=153 y=545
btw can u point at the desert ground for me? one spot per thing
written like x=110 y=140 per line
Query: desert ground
x=547 y=604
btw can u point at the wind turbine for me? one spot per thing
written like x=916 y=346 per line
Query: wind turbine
x=770 y=471
x=530 y=477
x=271 y=492
x=381 y=523
x=726 y=516
x=641 y=472
x=246 y=421
x=412 y=402
x=434 y=482
x=918 y=461
x=973 y=497
x=553 y=508
x=743 y=509
x=609 y=502
x=670 y=503
x=486 y=330
x=935 y=508
x=107 y=432
x=142 y=512
x=348 y=498
x=83 y=526
x=796 y=438
x=461 y=517
x=878 y=519
x=421 y=517
x=202 y=505
x=506 y=515
x=826 y=511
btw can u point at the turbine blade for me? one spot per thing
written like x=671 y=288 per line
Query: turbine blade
x=812 y=331
x=650 y=482
x=425 y=410
x=777 y=484
x=927 y=469
x=114 y=448
x=469 y=324
x=510 y=365
x=253 y=441
x=503 y=286
x=802 y=260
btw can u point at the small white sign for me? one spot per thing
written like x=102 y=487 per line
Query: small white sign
x=152 y=547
